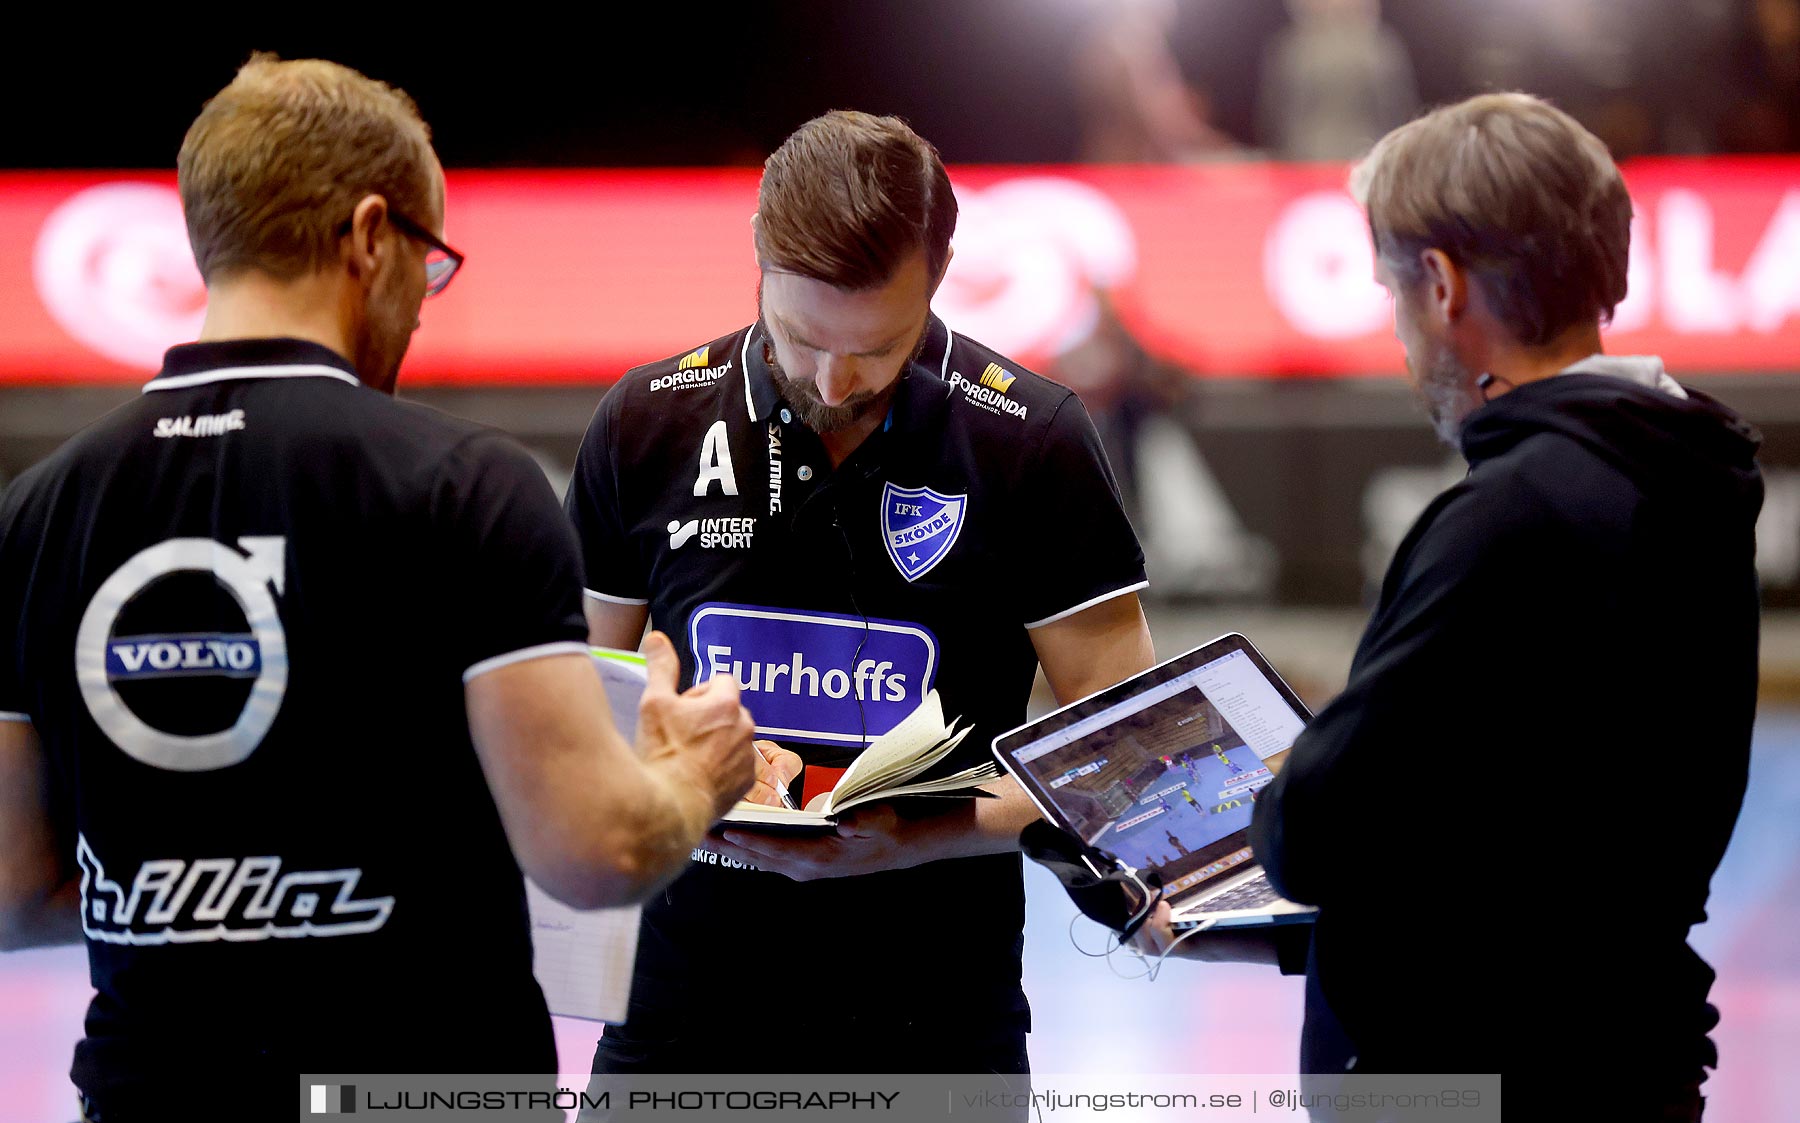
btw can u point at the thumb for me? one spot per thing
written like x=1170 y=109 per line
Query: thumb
x=661 y=662
x=789 y=766
x=782 y=762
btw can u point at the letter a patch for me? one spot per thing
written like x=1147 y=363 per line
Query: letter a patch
x=918 y=527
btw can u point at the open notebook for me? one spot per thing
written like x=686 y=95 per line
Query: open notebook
x=897 y=763
x=583 y=959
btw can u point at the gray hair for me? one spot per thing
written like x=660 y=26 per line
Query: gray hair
x=1513 y=190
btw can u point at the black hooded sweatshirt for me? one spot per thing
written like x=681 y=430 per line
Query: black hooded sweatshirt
x=1511 y=816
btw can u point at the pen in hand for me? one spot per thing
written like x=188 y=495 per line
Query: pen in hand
x=776 y=782
x=787 y=800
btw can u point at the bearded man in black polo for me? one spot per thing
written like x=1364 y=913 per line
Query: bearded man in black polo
x=842 y=507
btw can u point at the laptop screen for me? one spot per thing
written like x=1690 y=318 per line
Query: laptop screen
x=1162 y=770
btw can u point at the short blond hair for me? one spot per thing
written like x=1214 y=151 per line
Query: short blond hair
x=278 y=159
x=1515 y=191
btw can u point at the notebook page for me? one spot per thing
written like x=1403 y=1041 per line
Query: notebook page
x=894 y=750
x=583 y=960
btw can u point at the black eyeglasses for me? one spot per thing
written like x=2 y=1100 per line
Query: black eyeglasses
x=441 y=263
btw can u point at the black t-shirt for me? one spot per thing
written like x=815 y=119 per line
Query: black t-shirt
x=981 y=508
x=247 y=604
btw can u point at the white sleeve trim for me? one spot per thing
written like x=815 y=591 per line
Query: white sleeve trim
x=1087 y=604
x=610 y=599
x=14 y=715
x=566 y=647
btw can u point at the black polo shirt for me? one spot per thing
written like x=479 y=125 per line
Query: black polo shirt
x=247 y=603
x=982 y=507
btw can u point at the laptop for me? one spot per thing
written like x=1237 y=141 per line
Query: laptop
x=1162 y=771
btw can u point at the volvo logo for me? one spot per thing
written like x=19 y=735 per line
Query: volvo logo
x=103 y=660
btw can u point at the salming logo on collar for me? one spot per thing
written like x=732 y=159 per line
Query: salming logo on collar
x=774 y=469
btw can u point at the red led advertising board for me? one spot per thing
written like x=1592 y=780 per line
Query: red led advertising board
x=1229 y=270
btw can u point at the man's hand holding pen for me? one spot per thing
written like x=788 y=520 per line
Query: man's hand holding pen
x=776 y=767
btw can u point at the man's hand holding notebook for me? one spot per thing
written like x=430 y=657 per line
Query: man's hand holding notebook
x=899 y=763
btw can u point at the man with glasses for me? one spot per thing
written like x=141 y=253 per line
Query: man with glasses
x=295 y=680
x=441 y=259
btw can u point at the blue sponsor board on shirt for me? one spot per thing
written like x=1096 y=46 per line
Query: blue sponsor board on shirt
x=815 y=676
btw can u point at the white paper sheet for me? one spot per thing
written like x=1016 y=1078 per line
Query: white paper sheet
x=583 y=959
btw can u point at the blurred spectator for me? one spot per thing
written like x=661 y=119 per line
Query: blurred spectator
x=1652 y=76
x=1136 y=107
x=1591 y=58
x=1122 y=386
x=1765 y=116
x=1334 y=81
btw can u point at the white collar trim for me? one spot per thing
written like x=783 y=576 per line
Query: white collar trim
x=227 y=374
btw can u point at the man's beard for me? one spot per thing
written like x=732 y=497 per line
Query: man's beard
x=382 y=345
x=803 y=396
x=1444 y=388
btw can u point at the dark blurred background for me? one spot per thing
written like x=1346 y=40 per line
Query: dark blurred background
x=1269 y=496
x=989 y=81
x=1249 y=485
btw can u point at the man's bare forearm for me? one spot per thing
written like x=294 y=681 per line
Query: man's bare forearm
x=977 y=826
